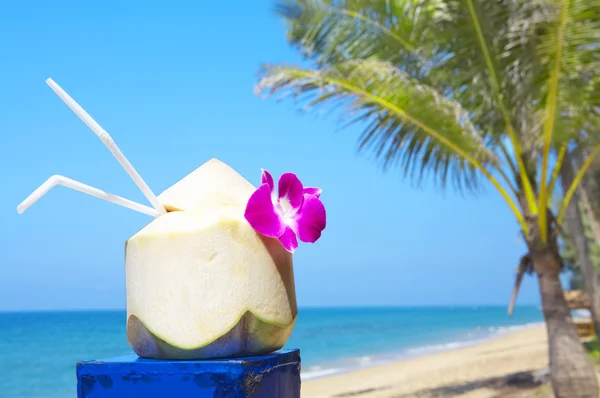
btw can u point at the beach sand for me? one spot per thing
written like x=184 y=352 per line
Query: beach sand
x=474 y=372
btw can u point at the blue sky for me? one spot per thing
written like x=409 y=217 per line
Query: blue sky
x=173 y=84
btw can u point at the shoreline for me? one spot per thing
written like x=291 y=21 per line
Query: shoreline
x=355 y=364
x=445 y=373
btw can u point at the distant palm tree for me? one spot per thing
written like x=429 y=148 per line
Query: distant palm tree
x=571 y=255
x=590 y=192
x=579 y=218
x=466 y=91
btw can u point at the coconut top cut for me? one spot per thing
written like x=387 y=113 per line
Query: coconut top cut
x=213 y=177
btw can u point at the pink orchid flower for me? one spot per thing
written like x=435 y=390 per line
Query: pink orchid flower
x=296 y=212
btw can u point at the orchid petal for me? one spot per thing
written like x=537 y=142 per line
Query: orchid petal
x=267 y=178
x=311 y=220
x=288 y=240
x=261 y=214
x=313 y=191
x=290 y=193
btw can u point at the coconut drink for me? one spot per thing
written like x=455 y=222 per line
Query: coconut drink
x=212 y=274
x=201 y=282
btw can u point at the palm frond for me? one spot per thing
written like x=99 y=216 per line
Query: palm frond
x=438 y=43
x=404 y=122
x=576 y=181
x=561 y=47
x=478 y=33
x=407 y=124
x=569 y=48
x=328 y=32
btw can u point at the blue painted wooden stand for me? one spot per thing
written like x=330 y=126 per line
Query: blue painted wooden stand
x=275 y=375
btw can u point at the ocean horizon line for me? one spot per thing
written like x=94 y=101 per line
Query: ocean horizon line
x=306 y=307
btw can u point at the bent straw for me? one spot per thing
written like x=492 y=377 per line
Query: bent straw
x=109 y=143
x=78 y=186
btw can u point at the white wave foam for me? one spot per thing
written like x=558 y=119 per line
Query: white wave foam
x=314 y=373
x=430 y=349
x=348 y=364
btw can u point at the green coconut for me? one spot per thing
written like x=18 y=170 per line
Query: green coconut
x=201 y=283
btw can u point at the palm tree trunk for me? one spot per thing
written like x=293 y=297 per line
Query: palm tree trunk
x=577 y=232
x=571 y=369
x=588 y=190
x=593 y=214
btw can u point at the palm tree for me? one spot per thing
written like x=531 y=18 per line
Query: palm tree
x=575 y=223
x=571 y=255
x=590 y=193
x=468 y=92
x=582 y=237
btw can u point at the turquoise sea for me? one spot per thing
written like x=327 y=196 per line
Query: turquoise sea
x=38 y=350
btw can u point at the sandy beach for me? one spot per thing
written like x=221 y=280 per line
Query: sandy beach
x=474 y=372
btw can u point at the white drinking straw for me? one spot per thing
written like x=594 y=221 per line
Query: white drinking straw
x=110 y=144
x=78 y=186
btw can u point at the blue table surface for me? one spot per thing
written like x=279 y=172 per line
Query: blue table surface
x=133 y=362
x=276 y=375
x=136 y=359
